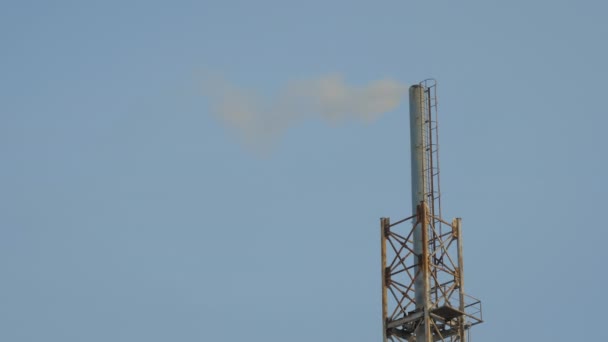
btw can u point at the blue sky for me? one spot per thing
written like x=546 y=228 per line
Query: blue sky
x=129 y=212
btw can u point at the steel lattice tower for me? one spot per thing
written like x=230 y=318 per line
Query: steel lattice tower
x=423 y=298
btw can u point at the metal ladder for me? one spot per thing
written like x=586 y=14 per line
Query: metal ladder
x=431 y=147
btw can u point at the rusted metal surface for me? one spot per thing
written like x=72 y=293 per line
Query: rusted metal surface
x=423 y=297
x=384 y=229
x=449 y=311
x=457 y=227
x=424 y=329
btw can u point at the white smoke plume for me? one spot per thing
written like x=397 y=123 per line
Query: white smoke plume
x=260 y=121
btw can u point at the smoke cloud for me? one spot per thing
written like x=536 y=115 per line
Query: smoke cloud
x=259 y=120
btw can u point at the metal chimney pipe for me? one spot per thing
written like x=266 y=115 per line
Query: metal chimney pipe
x=417 y=144
x=418 y=116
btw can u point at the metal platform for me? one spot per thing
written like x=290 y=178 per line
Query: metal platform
x=448 y=313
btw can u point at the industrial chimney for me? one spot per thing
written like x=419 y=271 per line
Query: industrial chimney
x=423 y=297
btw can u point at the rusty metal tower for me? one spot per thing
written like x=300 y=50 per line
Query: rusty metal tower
x=423 y=297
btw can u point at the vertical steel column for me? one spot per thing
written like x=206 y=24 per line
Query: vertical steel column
x=457 y=224
x=423 y=333
x=419 y=186
x=384 y=226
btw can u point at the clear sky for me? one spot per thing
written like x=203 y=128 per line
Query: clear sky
x=129 y=212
